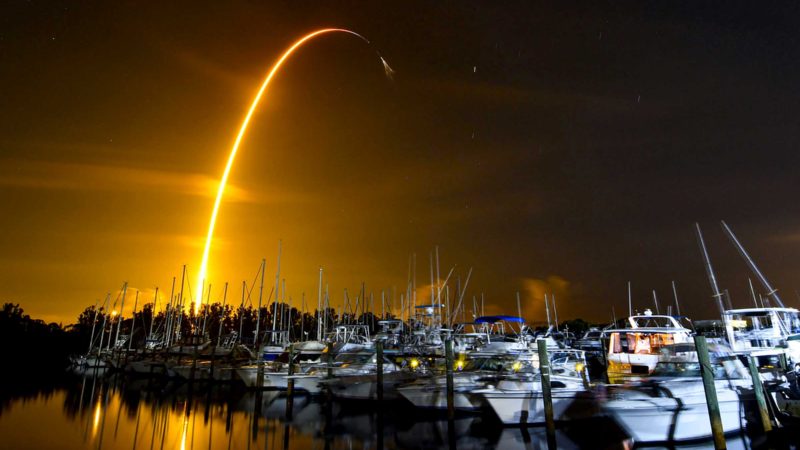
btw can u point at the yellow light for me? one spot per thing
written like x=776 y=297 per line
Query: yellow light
x=114 y=313
x=579 y=367
x=220 y=191
x=459 y=365
x=414 y=363
x=516 y=366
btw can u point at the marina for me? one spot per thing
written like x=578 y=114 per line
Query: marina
x=399 y=225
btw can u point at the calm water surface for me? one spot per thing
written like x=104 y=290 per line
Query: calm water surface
x=119 y=413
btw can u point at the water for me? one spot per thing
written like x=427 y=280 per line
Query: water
x=120 y=413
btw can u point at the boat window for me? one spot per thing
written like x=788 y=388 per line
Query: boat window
x=642 y=343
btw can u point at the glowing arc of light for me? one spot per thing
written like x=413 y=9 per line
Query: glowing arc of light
x=223 y=181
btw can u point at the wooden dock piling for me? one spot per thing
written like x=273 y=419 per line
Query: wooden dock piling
x=379 y=374
x=449 y=362
x=758 y=390
x=329 y=353
x=707 y=372
x=547 y=397
x=290 y=384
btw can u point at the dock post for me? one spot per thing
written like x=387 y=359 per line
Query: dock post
x=707 y=372
x=290 y=384
x=329 y=351
x=194 y=366
x=448 y=356
x=758 y=390
x=547 y=397
x=379 y=372
x=260 y=374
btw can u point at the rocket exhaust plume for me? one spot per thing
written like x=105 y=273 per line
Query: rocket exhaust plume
x=223 y=181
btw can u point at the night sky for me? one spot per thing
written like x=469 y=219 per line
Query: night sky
x=564 y=148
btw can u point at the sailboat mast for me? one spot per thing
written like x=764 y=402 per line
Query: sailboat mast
x=94 y=322
x=121 y=309
x=153 y=314
x=258 y=310
x=319 y=306
x=547 y=310
x=655 y=301
x=712 y=279
x=555 y=310
x=771 y=292
x=222 y=313
x=133 y=320
x=675 y=294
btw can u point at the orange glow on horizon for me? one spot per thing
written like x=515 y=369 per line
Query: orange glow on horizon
x=202 y=275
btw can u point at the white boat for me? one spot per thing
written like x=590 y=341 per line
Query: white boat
x=481 y=369
x=365 y=387
x=671 y=406
x=520 y=401
x=633 y=352
x=764 y=332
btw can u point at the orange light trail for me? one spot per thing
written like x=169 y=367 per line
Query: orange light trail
x=221 y=190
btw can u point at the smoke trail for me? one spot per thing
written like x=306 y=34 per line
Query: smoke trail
x=223 y=181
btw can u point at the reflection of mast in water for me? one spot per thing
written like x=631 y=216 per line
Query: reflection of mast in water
x=91 y=401
x=103 y=421
x=210 y=424
x=80 y=399
x=165 y=427
x=138 y=416
x=119 y=413
x=154 y=413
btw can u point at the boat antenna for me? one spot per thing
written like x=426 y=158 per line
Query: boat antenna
x=630 y=301
x=770 y=291
x=712 y=279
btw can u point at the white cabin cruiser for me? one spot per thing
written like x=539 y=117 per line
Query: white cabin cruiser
x=764 y=332
x=671 y=405
x=634 y=351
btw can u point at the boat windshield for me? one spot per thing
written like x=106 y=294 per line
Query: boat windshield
x=498 y=364
x=654 y=322
x=724 y=369
x=355 y=358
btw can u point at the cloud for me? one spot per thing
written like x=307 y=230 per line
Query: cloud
x=99 y=177
x=532 y=297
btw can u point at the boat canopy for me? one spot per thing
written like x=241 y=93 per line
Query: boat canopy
x=494 y=319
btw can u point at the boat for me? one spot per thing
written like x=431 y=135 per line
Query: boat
x=519 y=401
x=634 y=351
x=469 y=375
x=764 y=333
x=671 y=405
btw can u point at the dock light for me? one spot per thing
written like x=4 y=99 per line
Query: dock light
x=516 y=366
x=579 y=367
x=460 y=365
x=414 y=363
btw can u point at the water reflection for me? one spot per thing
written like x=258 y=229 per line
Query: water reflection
x=120 y=413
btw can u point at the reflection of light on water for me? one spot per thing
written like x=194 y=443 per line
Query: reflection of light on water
x=183 y=434
x=96 y=421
